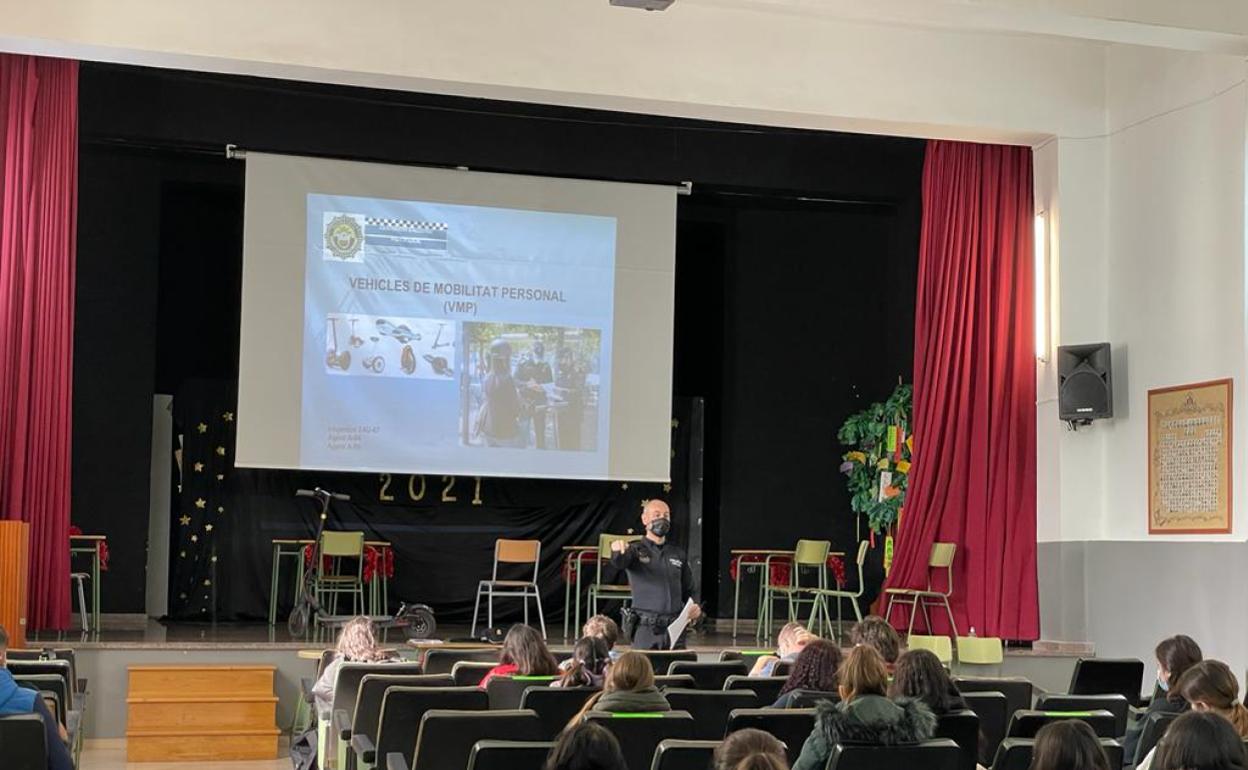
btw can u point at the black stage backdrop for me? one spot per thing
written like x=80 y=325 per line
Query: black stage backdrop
x=795 y=273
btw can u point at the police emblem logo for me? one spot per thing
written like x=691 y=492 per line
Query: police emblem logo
x=344 y=238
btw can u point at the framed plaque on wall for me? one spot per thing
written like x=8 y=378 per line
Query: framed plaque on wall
x=1189 y=459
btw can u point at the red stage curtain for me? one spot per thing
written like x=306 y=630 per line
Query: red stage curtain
x=38 y=210
x=974 y=478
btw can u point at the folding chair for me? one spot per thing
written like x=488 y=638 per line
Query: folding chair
x=1026 y=723
x=679 y=754
x=555 y=706
x=662 y=660
x=807 y=555
x=25 y=747
x=938 y=645
x=790 y=726
x=339 y=546
x=346 y=691
x=808 y=699
x=402 y=709
x=939 y=754
x=961 y=727
x=600 y=590
x=1104 y=676
x=710 y=708
x=443 y=661
x=1114 y=704
x=493 y=754
x=1017 y=690
x=994 y=719
x=819 y=612
x=1154 y=726
x=505 y=692
x=767 y=688
x=711 y=675
x=469 y=673
x=367 y=713
x=640 y=734
x=941 y=558
x=670 y=681
x=1016 y=753
x=511 y=552
x=446 y=738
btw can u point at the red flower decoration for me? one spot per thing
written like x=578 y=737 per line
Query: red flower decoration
x=327 y=562
x=372 y=556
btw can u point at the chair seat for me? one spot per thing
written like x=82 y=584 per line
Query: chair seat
x=507 y=583
x=605 y=588
x=901 y=590
x=79 y=576
x=338 y=579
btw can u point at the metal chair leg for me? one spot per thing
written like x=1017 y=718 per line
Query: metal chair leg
x=476 y=611
x=736 y=599
x=541 y=618
x=953 y=626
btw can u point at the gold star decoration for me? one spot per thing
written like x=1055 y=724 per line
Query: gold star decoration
x=200 y=502
x=228 y=417
x=624 y=485
x=207 y=527
x=221 y=451
x=220 y=509
x=220 y=477
x=195 y=539
x=199 y=467
x=182 y=595
x=667 y=488
x=214 y=560
x=675 y=423
x=202 y=427
x=185 y=520
x=207 y=582
x=182 y=555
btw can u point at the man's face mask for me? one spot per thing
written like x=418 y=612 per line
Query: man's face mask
x=660 y=527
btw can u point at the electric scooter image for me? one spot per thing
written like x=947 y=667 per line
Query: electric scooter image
x=356 y=341
x=439 y=365
x=437 y=339
x=336 y=359
x=404 y=335
x=374 y=362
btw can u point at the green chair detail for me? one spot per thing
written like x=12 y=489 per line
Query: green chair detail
x=333 y=582
x=921 y=598
x=608 y=591
x=807 y=555
x=819 y=612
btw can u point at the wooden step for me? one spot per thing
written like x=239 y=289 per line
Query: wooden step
x=223 y=746
x=194 y=713
x=167 y=681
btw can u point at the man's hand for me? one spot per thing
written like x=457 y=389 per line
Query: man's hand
x=619 y=546
x=695 y=612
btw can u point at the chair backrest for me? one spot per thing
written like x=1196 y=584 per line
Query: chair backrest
x=710 y=708
x=52 y=684
x=662 y=660
x=708 y=676
x=342 y=543
x=61 y=668
x=555 y=706
x=668 y=681
x=790 y=726
x=808 y=699
x=749 y=656
x=469 y=673
x=347 y=685
x=767 y=688
x=1017 y=690
x=23 y=742
x=1152 y=728
x=980 y=650
x=961 y=727
x=402 y=708
x=1106 y=676
x=939 y=645
x=327 y=657
x=51 y=653
x=443 y=661
x=938 y=754
x=1016 y=753
x=639 y=734
x=679 y=754
x=942 y=555
x=517 y=552
x=367 y=713
x=446 y=738
x=1027 y=722
x=1114 y=704
x=992 y=708
x=492 y=754
x=782 y=668
x=505 y=691
x=811 y=553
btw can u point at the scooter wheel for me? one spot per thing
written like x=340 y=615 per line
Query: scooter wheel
x=420 y=622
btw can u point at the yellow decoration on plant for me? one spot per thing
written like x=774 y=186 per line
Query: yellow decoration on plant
x=890 y=492
x=860 y=457
x=903 y=466
x=882 y=464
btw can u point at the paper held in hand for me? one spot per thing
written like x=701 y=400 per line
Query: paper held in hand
x=678 y=626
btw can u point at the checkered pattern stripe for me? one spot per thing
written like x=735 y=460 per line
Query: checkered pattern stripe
x=404 y=224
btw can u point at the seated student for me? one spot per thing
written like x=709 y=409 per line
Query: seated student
x=1067 y=745
x=600 y=627
x=876 y=632
x=1201 y=740
x=1208 y=687
x=815 y=669
x=865 y=714
x=629 y=688
x=15 y=699
x=750 y=749
x=1175 y=655
x=586 y=747
x=357 y=643
x=587 y=665
x=920 y=675
x=524 y=654
x=789 y=642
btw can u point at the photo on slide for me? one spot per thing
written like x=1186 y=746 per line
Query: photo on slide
x=390 y=346
x=530 y=386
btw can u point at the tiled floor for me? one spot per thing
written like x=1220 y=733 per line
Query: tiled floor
x=111 y=755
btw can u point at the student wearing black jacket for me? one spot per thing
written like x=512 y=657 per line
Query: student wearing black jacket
x=920 y=675
x=1175 y=655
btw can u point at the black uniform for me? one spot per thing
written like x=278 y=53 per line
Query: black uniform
x=661 y=581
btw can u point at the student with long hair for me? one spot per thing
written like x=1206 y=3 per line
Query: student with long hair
x=586 y=747
x=524 y=653
x=750 y=749
x=1201 y=740
x=1068 y=745
x=586 y=666
x=865 y=714
x=920 y=675
x=1175 y=655
x=357 y=643
x=1209 y=687
x=876 y=632
x=629 y=687
x=814 y=669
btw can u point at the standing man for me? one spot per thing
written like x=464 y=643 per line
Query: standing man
x=659 y=576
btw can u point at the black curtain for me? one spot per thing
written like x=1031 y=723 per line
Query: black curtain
x=443 y=542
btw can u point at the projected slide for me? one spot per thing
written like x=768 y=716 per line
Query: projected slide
x=445 y=335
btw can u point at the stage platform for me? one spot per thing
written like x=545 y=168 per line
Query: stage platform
x=103 y=658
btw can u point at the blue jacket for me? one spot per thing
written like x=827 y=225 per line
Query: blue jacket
x=21 y=700
x=14 y=699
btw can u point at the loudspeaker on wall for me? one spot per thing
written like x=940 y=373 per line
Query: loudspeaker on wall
x=1085 y=389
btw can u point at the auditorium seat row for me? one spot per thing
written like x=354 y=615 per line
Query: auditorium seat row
x=53 y=674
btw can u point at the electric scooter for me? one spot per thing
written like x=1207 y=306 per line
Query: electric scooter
x=375 y=363
x=336 y=359
x=404 y=335
x=356 y=341
x=437 y=339
x=439 y=365
x=416 y=621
